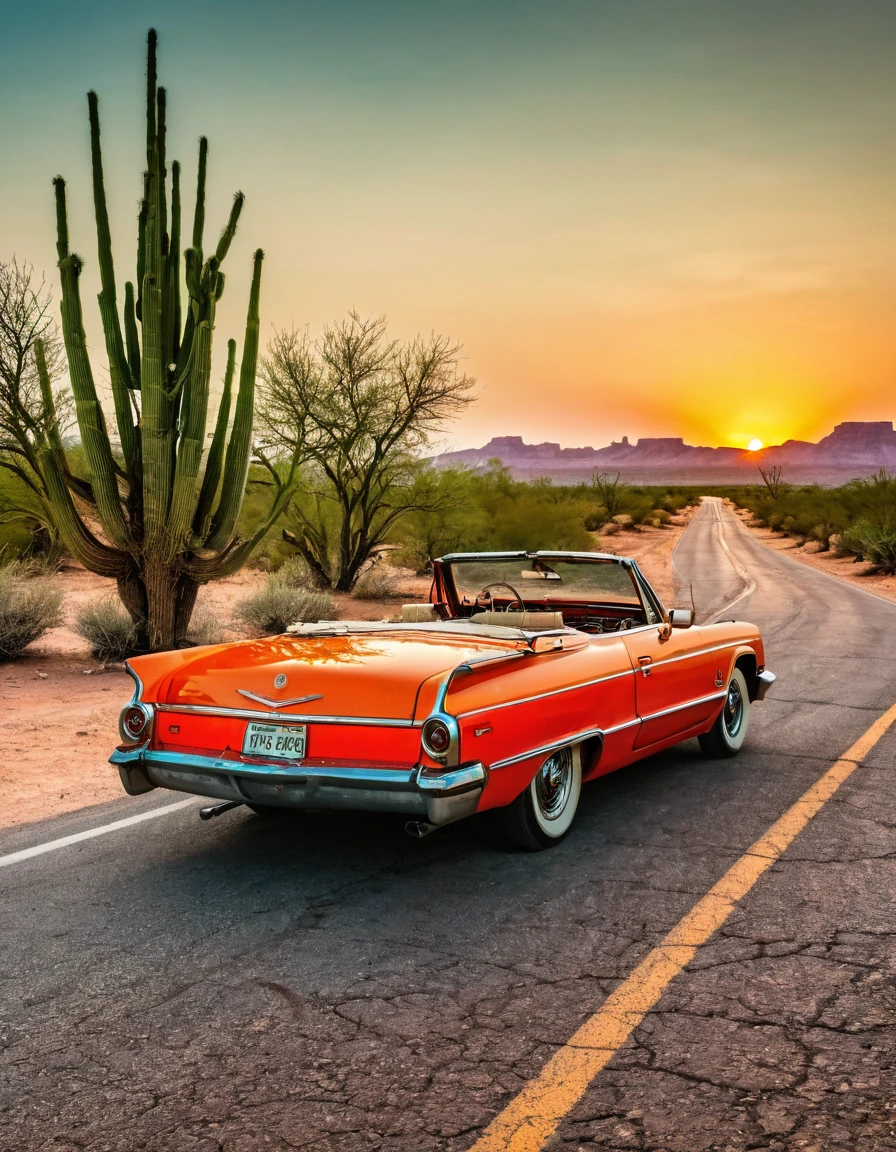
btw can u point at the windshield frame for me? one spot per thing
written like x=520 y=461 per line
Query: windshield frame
x=444 y=569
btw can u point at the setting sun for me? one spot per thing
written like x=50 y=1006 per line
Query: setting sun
x=754 y=445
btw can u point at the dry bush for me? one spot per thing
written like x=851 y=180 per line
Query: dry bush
x=205 y=628
x=295 y=573
x=28 y=607
x=108 y=629
x=276 y=605
x=379 y=582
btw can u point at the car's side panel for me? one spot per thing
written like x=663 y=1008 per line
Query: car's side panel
x=508 y=714
x=678 y=681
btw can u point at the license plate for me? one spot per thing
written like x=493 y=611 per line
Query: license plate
x=279 y=741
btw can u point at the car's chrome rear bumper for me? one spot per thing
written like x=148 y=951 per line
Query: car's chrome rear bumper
x=439 y=795
x=764 y=681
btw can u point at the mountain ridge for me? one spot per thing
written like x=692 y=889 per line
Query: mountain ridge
x=856 y=447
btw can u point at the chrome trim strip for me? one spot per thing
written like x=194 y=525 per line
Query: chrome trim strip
x=576 y=737
x=254 y=714
x=138 y=689
x=277 y=703
x=546 y=749
x=621 y=727
x=546 y=695
x=688 y=704
x=697 y=652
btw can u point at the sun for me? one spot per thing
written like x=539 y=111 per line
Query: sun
x=754 y=445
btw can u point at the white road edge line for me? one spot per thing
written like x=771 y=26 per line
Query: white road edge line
x=102 y=830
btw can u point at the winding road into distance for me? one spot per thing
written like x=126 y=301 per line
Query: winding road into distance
x=325 y=983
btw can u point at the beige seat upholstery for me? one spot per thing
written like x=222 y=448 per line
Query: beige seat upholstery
x=529 y=621
x=418 y=614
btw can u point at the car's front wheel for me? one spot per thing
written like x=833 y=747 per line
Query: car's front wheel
x=727 y=735
x=543 y=813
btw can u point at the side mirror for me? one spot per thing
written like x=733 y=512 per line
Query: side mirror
x=681 y=617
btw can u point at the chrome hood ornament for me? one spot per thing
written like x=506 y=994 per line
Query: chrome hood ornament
x=269 y=703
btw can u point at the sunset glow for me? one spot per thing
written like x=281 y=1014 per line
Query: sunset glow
x=678 y=225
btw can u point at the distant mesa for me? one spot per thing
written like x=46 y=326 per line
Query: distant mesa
x=854 y=448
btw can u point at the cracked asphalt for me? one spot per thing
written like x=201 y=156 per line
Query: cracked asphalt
x=325 y=983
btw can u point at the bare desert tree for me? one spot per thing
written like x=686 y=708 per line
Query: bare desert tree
x=610 y=491
x=773 y=479
x=361 y=410
x=25 y=419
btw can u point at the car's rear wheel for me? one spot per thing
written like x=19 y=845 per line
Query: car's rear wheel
x=727 y=735
x=543 y=813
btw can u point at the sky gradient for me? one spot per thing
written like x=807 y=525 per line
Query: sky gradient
x=642 y=217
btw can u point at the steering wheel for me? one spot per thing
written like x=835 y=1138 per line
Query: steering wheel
x=509 y=587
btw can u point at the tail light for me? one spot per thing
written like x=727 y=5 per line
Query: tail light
x=438 y=739
x=135 y=723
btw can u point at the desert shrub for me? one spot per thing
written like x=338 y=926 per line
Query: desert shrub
x=295 y=573
x=40 y=565
x=205 y=628
x=108 y=629
x=878 y=545
x=379 y=582
x=28 y=607
x=276 y=605
x=640 y=511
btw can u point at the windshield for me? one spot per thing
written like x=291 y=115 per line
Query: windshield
x=538 y=579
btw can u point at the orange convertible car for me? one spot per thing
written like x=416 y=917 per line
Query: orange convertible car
x=527 y=674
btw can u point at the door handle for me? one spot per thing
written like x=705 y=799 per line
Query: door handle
x=645 y=662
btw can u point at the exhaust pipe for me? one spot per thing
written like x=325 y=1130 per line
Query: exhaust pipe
x=417 y=829
x=218 y=809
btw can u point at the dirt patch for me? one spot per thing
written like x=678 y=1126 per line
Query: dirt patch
x=60 y=711
x=652 y=548
x=844 y=568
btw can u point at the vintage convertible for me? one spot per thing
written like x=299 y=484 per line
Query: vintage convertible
x=526 y=674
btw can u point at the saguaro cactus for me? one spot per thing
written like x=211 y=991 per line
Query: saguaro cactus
x=156 y=517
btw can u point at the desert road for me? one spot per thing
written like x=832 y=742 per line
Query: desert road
x=325 y=983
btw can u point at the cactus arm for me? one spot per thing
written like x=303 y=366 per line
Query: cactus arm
x=215 y=459
x=235 y=554
x=58 y=500
x=119 y=370
x=199 y=212
x=151 y=81
x=174 y=262
x=161 y=145
x=230 y=227
x=142 y=220
x=131 y=335
x=157 y=430
x=236 y=464
x=192 y=435
x=78 y=538
x=90 y=414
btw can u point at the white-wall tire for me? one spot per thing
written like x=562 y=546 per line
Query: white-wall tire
x=728 y=733
x=543 y=813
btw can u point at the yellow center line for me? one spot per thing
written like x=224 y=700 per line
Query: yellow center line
x=530 y=1119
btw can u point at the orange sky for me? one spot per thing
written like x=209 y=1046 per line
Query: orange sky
x=642 y=217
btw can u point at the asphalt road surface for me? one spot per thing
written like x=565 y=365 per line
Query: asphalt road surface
x=325 y=983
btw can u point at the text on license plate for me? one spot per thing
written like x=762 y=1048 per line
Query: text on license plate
x=283 y=741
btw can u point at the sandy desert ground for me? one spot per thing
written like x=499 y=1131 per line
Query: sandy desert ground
x=60 y=708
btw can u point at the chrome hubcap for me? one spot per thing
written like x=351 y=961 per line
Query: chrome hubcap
x=553 y=783
x=734 y=709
